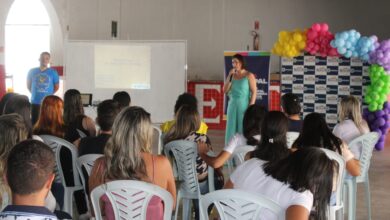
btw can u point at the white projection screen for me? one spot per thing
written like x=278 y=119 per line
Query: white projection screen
x=153 y=72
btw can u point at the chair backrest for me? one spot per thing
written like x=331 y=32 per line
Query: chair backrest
x=367 y=143
x=130 y=199
x=291 y=137
x=185 y=153
x=56 y=143
x=85 y=163
x=340 y=174
x=81 y=133
x=240 y=152
x=238 y=204
x=157 y=140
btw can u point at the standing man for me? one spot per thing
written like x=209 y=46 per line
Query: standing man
x=41 y=81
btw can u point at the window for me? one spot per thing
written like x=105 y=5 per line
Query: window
x=27 y=34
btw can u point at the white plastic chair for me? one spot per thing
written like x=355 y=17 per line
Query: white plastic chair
x=238 y=204
x=339 y=206
x=185 y=153
x=130 y=199
x=157 y=141
x=367 y=143
x=86 y=163
x=238 y=156
x=56 y=144
x=291 y=137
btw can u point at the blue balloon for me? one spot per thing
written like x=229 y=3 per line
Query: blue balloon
x=348 y=54
x=341 y=50
x=344 y=35
x=332 y=44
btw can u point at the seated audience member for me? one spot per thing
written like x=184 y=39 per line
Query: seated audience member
x=123 y=98
x=186 y=125
x=253 y=118
x=351 y=125
x=127 y=157
x=298 y=183
x=316 y=133
x=21 y=105
x=106 y=113
x=184 y=99
x=51 y=121
x=74 y=117
x=185 y=128
x=29 y=174
x=292 y=107
x=12 y=131
x=4 y=101
x=273 y=141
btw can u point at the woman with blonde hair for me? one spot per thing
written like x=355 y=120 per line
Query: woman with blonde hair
x=352 y=124
x=127 y=156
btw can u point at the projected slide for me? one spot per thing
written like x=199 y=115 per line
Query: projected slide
x=122 y=67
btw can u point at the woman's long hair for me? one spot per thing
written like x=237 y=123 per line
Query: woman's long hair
x=253 y=118
x=50 y=119
x=315 y=132
x=4 y=101
x=131 y=135
x=12 y=131
x=73 y=105
x=187 y=121
x=21 y=105
x=273 y=141
x=306 y=169
x=349 y=108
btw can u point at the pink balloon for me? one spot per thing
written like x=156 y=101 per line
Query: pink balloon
x=316 y=27
x=324 y=27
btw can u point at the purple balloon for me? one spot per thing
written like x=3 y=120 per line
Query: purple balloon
x=381 y=122
x=379 y=113
x=378 y=131
x=371 y=118
x=380 y=145
x=386 y=105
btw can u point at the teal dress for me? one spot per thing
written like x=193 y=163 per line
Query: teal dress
x=239 y=96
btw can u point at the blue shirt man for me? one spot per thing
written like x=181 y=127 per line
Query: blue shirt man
x=41 y=82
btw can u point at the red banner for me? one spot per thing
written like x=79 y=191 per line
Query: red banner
x=210 y=102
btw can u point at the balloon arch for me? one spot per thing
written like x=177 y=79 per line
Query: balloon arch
x=319 y=41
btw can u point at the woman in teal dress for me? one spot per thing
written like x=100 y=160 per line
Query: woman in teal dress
x=240 y=86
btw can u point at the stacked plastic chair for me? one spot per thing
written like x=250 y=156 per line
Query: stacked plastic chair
x=366 y=144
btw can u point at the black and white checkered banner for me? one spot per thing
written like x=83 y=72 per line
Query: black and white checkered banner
x=321 y=81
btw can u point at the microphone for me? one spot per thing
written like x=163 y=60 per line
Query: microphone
x=231 y=76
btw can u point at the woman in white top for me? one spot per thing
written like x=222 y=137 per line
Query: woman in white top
x=297 y=183
x=253 y=118
x=315 y=132
x=351 y=125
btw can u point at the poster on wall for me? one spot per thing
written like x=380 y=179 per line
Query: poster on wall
x=320 y=82
x=258 y=63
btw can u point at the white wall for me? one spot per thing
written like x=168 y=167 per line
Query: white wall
x=209 y=26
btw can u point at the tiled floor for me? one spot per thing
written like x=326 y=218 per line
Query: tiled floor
x=379 y=180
